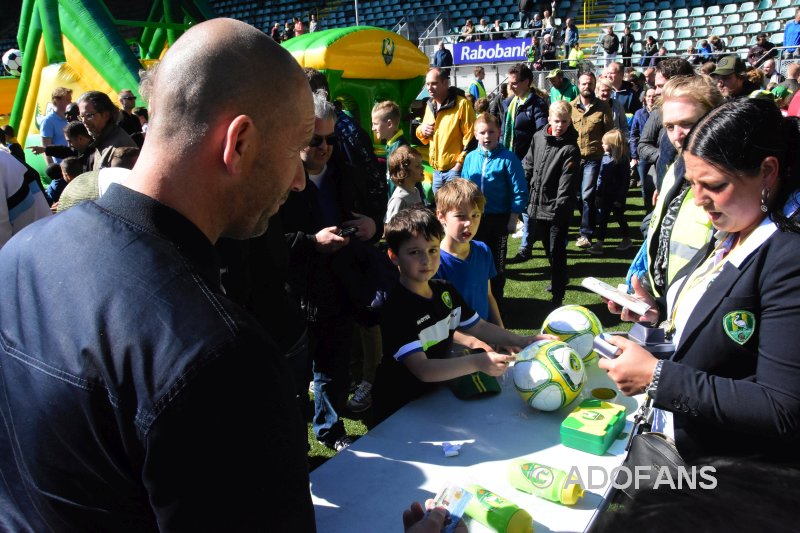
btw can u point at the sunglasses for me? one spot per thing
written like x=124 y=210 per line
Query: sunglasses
x=128 y=97
x=87 y=116
x=316 y=140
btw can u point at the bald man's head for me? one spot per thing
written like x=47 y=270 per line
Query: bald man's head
x=222 y=68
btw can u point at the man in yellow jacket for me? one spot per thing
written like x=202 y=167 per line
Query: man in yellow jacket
x=446 y=128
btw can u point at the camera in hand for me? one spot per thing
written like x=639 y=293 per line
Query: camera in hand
x=346 y=232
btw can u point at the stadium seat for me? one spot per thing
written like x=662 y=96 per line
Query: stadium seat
x=739 y=41
x=636 y=9
x=728 y=9
x=772 y=27
x=669 y=45
x=635 y=25
x=636 y=15
x=736 y=29
x=769 y=15
x=734 y=18
x=666 y=14
x=666 y=24
x=619 y=27
x=667 y=34
x=764 y=4
x=663 y=5
x=777 y=39
x=677 y=4
x=649 y=6
x=697 y=12
x=637 y=48
x=685 y=33
x=787 y=13
x=650 y=25
x=650 y=15
x=753 y=27
x=716 y=20
x=637 y=35
x=684 y=45
x=712 y=10
x=747 y=7
x=719 y=31
x=619 y=17
x=749 y=17
x=700 y=33
x=681 y=13
x=698 y=22
x=681 y=23
x=780 y=4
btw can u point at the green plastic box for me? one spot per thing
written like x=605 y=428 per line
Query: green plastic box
x=593 y=426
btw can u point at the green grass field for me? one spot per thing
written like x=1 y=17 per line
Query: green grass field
x=527 y=302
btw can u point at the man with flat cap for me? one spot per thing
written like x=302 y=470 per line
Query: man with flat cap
x=136 y=396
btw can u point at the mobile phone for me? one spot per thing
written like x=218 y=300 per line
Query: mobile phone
x=615 y=295
x=346 y=232
x=605 y=348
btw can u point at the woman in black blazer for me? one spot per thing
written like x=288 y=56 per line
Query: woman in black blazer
x=732 y=387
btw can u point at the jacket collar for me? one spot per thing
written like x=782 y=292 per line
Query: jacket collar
x=452 y=96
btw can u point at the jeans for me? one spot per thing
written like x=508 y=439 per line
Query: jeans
x=527 y=233
x=330 y=342
x=648 y=185
x=440 y=177
x=590 y=169
x=609 y=58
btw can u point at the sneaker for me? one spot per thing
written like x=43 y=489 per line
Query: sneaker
x=583 y=242
x=362 y=398
x=624 y=244
x=596 y=248
x=521 y=257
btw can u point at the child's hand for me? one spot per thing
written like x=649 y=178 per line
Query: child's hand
x=527 y=341
x=495 y=364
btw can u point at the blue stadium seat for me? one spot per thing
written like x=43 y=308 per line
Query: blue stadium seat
x=619 y=27
x=739 y=41
x=780 y=4
x=684 y=45
x=712 y=10
x=749 y=17
x=700 y=33
x=666 y=14
x=734 y=18
x=681 y=13
x=669 y=45
x=772 y=27
x=716 y=20
x=787 y=13
x=635 y=25
x=650 y=25
x=719 y=31
x=736 y=29
x=666 y=24
x=698 y=22
x=697 y=11
x=753 y=27
x=619 y=17
x=764 y=4
x=667 y=34
x=777 y=39
x=728 y=9
x=747 y=7
x=636 y=10
x=682 y=23
x=637 y=35
x=769 y=15
x=636 y=15
x=685 y=33
x=637 y=48
x=663 y=5
x=650 y=15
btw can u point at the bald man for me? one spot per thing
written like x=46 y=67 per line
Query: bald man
x=134 y=396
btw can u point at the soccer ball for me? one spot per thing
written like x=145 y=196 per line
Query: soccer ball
x=549 y=375
x=575 y=325
x=12 y=61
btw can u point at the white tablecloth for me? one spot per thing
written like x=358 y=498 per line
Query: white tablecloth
x=366 y=487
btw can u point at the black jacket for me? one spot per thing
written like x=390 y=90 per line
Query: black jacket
x=740 y=396
x=552 y=168
x=531 y=117
x=626 y=42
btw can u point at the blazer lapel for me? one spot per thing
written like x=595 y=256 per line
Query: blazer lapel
x=719 y=288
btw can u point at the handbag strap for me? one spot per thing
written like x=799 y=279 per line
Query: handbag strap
x=642 y=420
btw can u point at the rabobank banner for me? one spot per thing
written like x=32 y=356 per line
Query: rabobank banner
x=490 y=51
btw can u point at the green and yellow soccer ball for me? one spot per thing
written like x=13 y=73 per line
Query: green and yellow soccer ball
x=549 y=375
x=575 y=325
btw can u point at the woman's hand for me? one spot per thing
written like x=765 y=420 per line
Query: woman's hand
x=650 y=317
x=632 y=370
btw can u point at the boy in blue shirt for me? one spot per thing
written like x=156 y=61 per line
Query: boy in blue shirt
x=421 y=316
x=499 y=175
x=464 y=262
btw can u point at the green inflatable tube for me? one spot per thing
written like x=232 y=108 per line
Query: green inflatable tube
x=28 y=59
x=24 y=22
x=51 y=28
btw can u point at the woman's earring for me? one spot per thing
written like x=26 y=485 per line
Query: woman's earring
x=764 y=199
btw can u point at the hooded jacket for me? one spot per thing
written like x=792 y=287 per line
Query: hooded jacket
x=552 y=168
x=452 y=136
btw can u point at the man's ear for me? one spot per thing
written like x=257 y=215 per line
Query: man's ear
x=240 y=137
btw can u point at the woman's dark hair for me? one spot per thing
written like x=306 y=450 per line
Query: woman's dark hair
x=738 y=135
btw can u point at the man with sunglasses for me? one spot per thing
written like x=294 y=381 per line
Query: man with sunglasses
x=100 y=116
x=127 y=120
x=335 y=198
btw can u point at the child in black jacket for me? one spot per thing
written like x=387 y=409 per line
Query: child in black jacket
x=612 y=190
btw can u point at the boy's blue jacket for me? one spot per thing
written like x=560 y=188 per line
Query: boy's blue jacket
x=501 y=179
